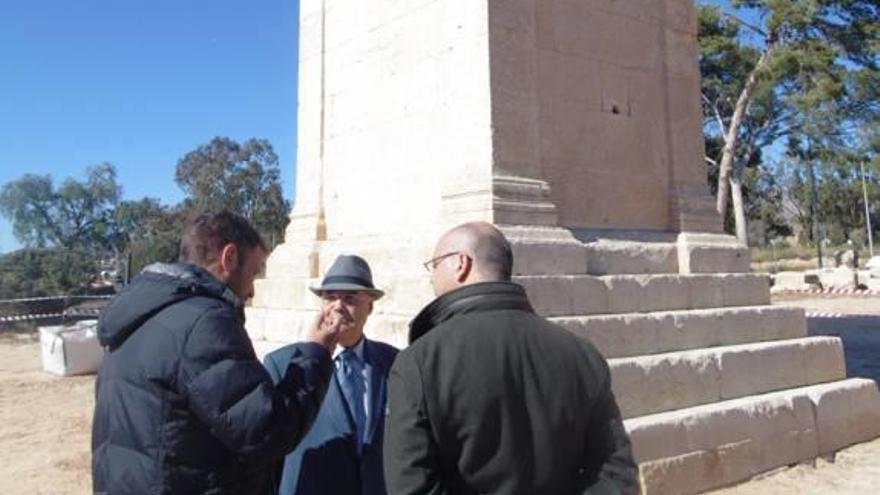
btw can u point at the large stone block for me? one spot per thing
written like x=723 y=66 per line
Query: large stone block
x=704 y=447
x=711 y=253
x=764 y=367
x=746 y=289
x=661 y=382
x=706 y=292
x=696 y=449
x=633 y=334
x=545 y=251
x=622 y=257
x=651 y=384
x=846 y=413
x=565 y=295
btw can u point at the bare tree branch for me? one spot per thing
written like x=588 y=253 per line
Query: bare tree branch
x=740 y=21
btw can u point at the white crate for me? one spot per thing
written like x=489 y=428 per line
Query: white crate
x=72 y=349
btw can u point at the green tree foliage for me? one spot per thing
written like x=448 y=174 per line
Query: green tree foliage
x=839 y=203
x=149 y=231
x=33 y=272
x=801 y=69
x=241 y=177
x=68 y=229
x=74 y=215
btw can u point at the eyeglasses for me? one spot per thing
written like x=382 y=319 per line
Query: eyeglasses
x=432 y=263
x=347 y=298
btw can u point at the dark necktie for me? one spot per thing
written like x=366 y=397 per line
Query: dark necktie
x=351 y=379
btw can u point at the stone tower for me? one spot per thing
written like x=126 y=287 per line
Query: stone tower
x=575 y=126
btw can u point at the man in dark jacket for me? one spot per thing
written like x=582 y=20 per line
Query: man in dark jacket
x=183 y=406
x=492 y=398
x=342 y=452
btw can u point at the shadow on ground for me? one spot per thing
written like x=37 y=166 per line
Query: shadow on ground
x=861 y=341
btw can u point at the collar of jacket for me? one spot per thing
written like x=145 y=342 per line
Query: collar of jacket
x=474 y=298
x=155 y=288
x=198 y=279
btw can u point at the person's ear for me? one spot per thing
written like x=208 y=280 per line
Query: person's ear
x=371 y=307
x=229 y=258
x=464 y=267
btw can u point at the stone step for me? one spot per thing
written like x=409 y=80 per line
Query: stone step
x=641 y=252
x=635 y=334
x=699 y=448
x=631 y=257
x=573 y=295
x=662 y=382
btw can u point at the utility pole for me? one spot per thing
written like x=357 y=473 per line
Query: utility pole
x=867 y=212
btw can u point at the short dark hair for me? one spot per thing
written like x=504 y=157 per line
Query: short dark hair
x=207 y=233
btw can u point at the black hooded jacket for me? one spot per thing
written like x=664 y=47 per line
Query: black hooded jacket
x=491 y=398
x=183 y=406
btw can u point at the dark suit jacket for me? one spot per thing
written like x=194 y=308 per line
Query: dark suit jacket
x=326 y=461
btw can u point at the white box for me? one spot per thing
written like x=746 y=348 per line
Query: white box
x=72 y=349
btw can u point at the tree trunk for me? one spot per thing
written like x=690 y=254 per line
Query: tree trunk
x=814 y=208
x=739 y=214
x=730 y=138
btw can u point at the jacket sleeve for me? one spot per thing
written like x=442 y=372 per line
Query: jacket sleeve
x=610 y=453
x=230 y=391
x=410 y=453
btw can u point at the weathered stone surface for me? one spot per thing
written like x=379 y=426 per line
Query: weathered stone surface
x=711 y=253
x=625 y=257
x=285 y=293
x=661 y=382
x=846 y=413
x=545 y=251
x=567 y=295
x=699 y=448
x=633 y=334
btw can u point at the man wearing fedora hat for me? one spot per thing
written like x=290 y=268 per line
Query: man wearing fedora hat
x=342 y=453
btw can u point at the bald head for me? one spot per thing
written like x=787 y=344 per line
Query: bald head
x=470 y=253
x=488 y=247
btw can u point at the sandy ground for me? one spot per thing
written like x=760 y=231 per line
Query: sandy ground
x=45 y=421
x=850 y=305
x=45 y=424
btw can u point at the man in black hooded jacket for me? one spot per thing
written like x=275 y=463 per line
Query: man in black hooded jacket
x=491 y=398
x=183 y=406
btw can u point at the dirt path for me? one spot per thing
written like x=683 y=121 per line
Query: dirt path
x=45 y=424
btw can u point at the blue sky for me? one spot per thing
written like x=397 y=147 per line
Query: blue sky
x=138 y=83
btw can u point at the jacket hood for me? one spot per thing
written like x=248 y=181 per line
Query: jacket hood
x=155 y=288
x=483 y=296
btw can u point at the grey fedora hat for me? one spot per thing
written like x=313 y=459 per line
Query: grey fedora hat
x=348 y=272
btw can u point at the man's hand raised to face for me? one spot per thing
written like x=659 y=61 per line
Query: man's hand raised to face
x=326 y=328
